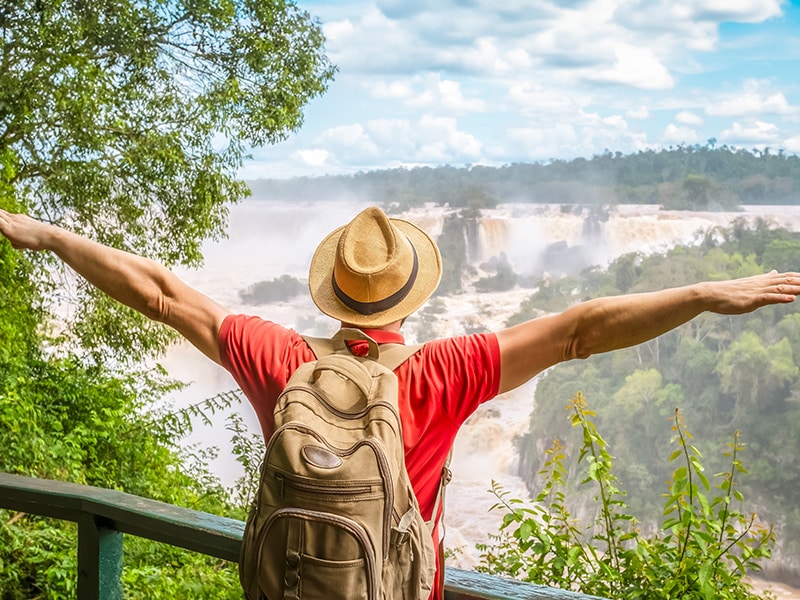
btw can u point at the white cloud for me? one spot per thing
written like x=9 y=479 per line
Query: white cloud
x=680 y=135
x=338 y=32
x=584 y=134
x=633 y=42
x=792 y=144
x=634 y=66
x=399 y=90
x=427 y=140
x=486 y=55
x=394 y=136
x=452 y=98
x=616 y=121
x=535 y=100
x=371 y=42
x=739 y=11
x=547 y=78
x=639 y=114
x=348 y=141
x=438 y=139
x=431 y=92
x=751 y=102
x=753 y=132
x=686 y=117
x=314 y=157
x=677 y=26
x=539 y=143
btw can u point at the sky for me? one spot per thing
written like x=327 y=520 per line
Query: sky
x=495 y=82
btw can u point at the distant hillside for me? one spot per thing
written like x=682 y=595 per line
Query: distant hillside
x=682 y=178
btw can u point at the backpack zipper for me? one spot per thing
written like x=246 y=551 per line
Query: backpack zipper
x=285 y=481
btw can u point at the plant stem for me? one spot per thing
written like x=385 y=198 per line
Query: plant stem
x=685 y=544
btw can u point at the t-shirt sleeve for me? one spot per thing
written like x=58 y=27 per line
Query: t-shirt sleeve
x=261 y=356
x=465 y=370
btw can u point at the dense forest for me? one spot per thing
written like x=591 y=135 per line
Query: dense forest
x=691 y=177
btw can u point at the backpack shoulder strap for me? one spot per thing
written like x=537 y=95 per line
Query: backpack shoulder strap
x=319 y=346
x=393 y=355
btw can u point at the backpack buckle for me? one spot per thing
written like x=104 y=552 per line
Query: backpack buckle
x=400 y=537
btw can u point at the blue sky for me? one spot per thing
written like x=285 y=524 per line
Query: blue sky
x=491 y=82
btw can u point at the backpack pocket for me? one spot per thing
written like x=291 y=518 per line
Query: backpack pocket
x=313 y=555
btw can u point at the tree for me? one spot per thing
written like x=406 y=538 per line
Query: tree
x=782 y=255
x=753 y=373
x=128 y=119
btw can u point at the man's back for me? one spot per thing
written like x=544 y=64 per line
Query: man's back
x=439 y=388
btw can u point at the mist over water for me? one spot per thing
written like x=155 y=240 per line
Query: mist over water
x=270 y=239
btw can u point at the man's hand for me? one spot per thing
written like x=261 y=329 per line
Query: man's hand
x=740 y=296
x=24 y=232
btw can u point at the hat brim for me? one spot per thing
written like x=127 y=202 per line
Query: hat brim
x=320 y=279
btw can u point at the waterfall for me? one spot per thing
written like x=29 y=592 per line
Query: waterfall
x=524 y=232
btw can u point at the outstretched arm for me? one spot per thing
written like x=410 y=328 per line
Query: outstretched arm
x=138 y=282
x=617 y=322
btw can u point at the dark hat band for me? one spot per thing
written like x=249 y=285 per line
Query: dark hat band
x=370 y=308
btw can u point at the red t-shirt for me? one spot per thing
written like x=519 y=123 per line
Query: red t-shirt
x=440 y=386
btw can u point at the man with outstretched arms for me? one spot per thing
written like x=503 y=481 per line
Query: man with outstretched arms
x=371 y=274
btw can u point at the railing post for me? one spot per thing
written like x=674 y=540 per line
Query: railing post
x=99 y=560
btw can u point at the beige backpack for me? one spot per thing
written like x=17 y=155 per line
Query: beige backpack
x=334 y=516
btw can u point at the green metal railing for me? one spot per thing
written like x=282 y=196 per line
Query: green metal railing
x=103 y=516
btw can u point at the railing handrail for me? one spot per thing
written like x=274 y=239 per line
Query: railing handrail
x=159 y=521
x=99 y=510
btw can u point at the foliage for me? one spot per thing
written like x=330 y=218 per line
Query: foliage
x=63 y=418
x=702 y=549
x=278 y=289
x=453 y=249
x=697 y=192
x=249 y=451
x=130 y=119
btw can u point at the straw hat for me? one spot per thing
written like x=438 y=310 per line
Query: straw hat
x=374 y=270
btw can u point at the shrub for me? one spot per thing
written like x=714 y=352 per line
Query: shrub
x=702 y=549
